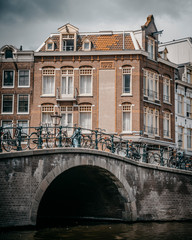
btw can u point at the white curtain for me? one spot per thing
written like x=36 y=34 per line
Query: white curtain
x=85 y=84
x=48 y=85
x=46 y=118
x=126 y=121
x=85 y=120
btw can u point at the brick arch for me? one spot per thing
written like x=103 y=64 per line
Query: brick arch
x=112 y=170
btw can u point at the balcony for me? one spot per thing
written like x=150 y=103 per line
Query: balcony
x=66 y=95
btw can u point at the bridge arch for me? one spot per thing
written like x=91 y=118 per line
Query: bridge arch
x=104 y=167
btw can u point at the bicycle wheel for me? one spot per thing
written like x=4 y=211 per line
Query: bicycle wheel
x=6 y=142
x=24 y=141
x=33 y=141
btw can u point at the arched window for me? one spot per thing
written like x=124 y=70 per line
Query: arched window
x=48 y=81
x=86 y=81
x=8 y=53
x=127 y=117
x=127 y=80
x=47 y=110
x=85 y=118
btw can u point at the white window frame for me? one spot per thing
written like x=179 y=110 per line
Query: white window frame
x=86 y=41
x=180 y=103
x=3 y=82
x=85 y=109
x=151 y=78
x=65 y=37
x=48 y=72
x=67 y=110
x=127 y=71
x=151 y=114
x=86 y=72
x=52 y=48
x=23 y=120
x=167 y=116
x=189 y=76
x=166 y=96
x=49 y=109
x=68 y=72
x=21 y=86
x=189 y=136
x=127 y=108
x=151 y=42
x=7 y=113
x=18 y=103
x=4 y=120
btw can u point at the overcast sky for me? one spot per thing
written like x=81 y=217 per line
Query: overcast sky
x=29 y=22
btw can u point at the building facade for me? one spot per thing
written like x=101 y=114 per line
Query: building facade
x=115 y=81
x=180 y=52
x=16 y=86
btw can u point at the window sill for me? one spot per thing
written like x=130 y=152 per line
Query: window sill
x=23 y=86
x=84 y=95
x=47 y=96
x=7 y=87
x=22 y=113
x=167 y=103
x=7 y=113
x=126 y=95
x=148 y=101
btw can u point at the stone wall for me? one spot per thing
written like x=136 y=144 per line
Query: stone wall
x=147 y=192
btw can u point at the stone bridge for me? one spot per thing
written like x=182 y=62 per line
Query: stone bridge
x=56 y=184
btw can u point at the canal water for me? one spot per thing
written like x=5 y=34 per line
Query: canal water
x=118 y=231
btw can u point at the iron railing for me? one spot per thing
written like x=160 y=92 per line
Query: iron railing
x=47 y=136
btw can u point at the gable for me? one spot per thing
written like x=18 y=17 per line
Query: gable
x=68 y=28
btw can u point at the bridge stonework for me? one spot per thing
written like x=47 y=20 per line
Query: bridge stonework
x=147 y=192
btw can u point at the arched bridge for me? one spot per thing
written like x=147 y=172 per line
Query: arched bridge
x=56 y=184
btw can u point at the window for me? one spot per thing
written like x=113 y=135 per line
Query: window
x=189 y=136
x=151 y=121
x=166 y=89
x=85 y=116
x=47 y=111
x=50 y=46
x=188 y=76
x=68 y=42
x=7 y=104
x=188 y=107
x=67 y=117
x=67 y=83
x=8 y=126
x=8 y=78
x=24 y=124
x=126 y=80
x=23 y=78
x=167 y=124
x=126 y=118
x=151 y=48
x=151 y=85
x=23 y=104
x=49 y=82
x=8 y=53
x=180 y=135
x=86 y=81
x=180 y=104
x=86 y=45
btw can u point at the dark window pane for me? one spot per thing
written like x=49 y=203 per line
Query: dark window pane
x=8 y=78
x=7 y=103
x=24 y=78
x=126 y=84
x=23 y=103
x=8 y=54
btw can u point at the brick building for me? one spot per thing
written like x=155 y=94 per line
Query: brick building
x=16 y=86
x=109 y=80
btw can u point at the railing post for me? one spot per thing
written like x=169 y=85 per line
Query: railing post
x=79 y=137
x=1 y=134
x=144 y=153
x=96 y=140
x=112 y=144
x=161 y=157
x=19 y=148
x=60 y=137
x=40 y=138
x=127 y=149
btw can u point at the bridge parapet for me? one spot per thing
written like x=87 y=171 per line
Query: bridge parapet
x=51 y=137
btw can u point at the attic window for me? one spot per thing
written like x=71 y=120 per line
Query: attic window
x=8 y=53
x=86 y=45
x=50 y=46
x=151 y=48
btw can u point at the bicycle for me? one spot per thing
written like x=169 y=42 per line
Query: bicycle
x=10 y=143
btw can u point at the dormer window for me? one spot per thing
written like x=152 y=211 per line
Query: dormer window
x=151 y=48
x=86 y=45
x=68 y=42
x=8 y=53
x=50 y=46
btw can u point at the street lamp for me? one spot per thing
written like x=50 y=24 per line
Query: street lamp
x=56 y=118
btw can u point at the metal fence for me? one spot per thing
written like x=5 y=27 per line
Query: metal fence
x=46 y=136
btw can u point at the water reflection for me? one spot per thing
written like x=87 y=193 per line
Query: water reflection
x=144 y=231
